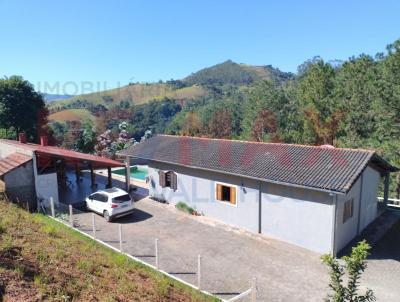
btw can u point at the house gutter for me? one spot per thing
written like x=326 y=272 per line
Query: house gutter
x=259 y=207
x=334 y=225
x=241 y=175
x=359 y=204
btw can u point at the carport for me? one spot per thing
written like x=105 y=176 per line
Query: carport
x=73 y=172
x=51 y=171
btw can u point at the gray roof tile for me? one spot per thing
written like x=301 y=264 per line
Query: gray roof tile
x=321 y=168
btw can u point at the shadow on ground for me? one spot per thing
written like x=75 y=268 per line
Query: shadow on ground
x=136 y=216
x=388 y=247
x=383 y=235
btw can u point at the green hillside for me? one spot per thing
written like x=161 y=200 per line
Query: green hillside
x=71 y=115
x=197 y=85
x=133 y=94
x=233 y=73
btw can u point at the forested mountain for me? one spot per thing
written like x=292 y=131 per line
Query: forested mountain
x=237 y=74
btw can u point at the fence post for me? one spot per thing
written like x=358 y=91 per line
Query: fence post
x=199 y=272
x=94 y=225
x=52 y=207
x=71 y=218
x=120 y=237
x=254 y=290
x=156 y=252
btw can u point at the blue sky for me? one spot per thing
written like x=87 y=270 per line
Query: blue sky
x=110 y=43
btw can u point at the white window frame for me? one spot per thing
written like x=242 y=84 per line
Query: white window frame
x=226 y=202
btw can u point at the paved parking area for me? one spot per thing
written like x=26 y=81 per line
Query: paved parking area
x=232 y=257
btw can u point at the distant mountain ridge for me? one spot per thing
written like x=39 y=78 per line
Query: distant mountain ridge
x=49 y=97
x=201 y=84
x=233 y=73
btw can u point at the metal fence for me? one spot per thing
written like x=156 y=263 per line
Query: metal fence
x=69 y=215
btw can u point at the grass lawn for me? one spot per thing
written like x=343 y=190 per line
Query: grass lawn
x=43 y=260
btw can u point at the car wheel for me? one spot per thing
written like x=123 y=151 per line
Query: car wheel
x=107 y=216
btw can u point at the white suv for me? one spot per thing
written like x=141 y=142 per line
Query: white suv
x=111 y=203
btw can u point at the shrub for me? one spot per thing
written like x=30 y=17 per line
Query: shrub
x=185 y=208
x=354 y=265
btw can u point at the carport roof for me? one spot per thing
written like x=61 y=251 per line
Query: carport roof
x=322 y=168
x=12 y=162
x=57 y=152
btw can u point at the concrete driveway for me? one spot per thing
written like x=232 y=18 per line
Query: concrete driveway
x=231 y=257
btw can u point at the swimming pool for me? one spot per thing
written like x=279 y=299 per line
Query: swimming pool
x=137 y=172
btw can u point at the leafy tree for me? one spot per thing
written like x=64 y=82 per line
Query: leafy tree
x=86 y=139
x=355 y=265
x=324 y=130
x=192 y=125
x=73 y=131
x=265 y=127
x=220 y=125
x=21 y=107
x=123 y=141
x=8 y=133
x=264 y=97
x=357 y=88
x=321 y=109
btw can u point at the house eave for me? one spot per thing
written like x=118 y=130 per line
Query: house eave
x=241 y=175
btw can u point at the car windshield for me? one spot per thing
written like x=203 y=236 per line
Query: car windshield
x=122 y=198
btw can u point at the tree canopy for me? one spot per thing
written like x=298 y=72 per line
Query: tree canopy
x=21 y=107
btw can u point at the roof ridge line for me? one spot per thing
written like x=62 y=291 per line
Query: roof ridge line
x=266 y=143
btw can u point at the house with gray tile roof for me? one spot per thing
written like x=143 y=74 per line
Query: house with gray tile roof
x=317 y=197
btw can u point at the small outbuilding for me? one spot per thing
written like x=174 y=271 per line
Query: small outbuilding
x=318 y=198
x=31 y=172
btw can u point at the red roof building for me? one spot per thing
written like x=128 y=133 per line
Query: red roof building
x=38 y=171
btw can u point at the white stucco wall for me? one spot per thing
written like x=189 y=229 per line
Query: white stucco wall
x=197 y=189
x=345 y=232
x=369 y=209
x=299 y=216
x=296 y=215
x=364 y=192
